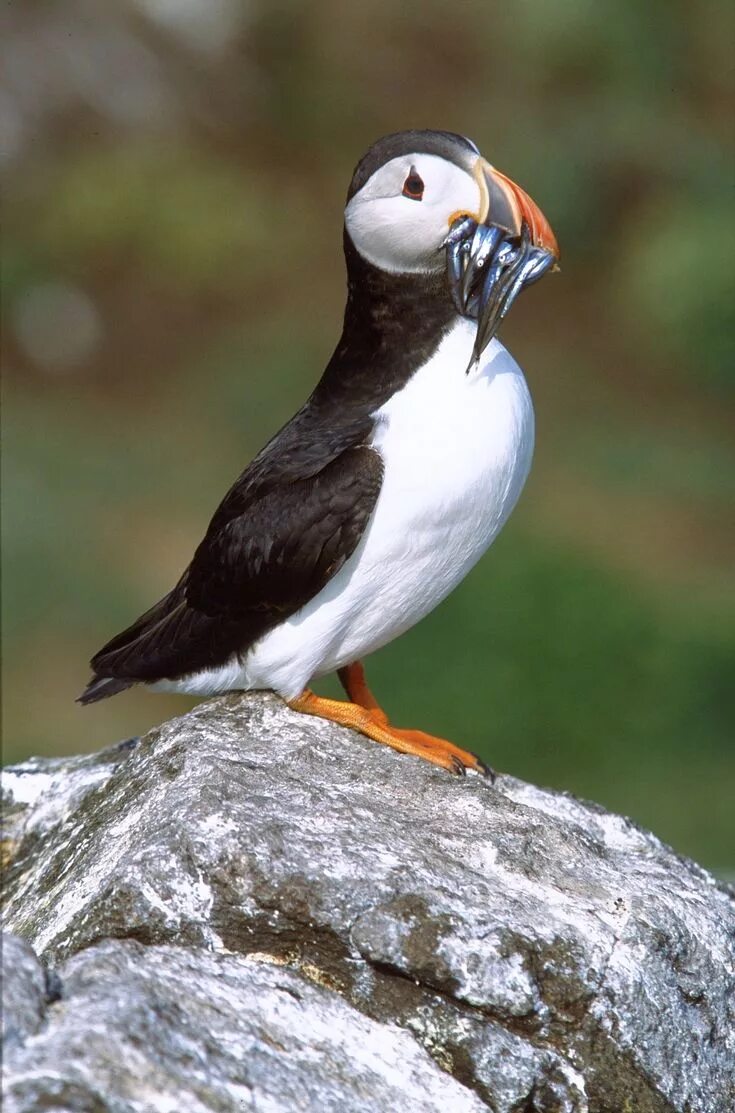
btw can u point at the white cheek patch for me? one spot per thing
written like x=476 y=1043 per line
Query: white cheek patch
x=399 y=234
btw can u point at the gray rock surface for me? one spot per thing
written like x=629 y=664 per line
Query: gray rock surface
x=25 y=992
x=252 y=909
x=173 y=1028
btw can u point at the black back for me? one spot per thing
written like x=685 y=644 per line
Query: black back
x=296 y=513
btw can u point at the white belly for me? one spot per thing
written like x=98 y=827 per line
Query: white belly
x=457 y=449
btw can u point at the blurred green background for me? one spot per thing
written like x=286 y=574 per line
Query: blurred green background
x=173 y=286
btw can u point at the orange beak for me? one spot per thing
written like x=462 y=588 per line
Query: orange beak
x=505 y=205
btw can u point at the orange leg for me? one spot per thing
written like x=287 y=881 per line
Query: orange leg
x=352 y=679
x=365 y=715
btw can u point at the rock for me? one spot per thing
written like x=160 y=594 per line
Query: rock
x=25 y=991
x=203 y=1031
x=250 y=908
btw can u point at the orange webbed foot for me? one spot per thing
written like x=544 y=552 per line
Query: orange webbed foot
x=365 y=715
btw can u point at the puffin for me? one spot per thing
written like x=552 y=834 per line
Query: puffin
x=385 y=488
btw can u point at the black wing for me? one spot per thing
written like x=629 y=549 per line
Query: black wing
x=253 y=570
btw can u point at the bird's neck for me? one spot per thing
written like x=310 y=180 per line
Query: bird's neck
x=393 y=324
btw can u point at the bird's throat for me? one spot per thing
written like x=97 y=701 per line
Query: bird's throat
x=393 y=324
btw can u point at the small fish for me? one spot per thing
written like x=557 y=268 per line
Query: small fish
x=487 y=269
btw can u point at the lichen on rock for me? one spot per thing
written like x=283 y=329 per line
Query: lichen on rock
x=255 y=904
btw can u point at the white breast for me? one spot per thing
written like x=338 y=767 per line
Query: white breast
x=457 y=449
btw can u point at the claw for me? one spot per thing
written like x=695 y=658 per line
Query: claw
x=458 y=767
x=485 y=770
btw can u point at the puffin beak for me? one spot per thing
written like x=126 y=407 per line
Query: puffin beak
x=505 y=205
x=496 y=252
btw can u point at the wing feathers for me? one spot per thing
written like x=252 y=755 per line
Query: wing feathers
x=249 y=573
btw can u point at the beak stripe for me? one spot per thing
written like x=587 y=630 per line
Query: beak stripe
x=525 y=208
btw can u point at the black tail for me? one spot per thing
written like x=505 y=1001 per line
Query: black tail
x=108 y=661
x=100 y=687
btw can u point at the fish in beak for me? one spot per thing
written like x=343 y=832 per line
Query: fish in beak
x=496 y=252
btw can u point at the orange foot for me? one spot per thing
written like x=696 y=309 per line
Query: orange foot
x=365 y=715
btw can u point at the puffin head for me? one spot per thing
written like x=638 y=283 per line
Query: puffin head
x=423 y=202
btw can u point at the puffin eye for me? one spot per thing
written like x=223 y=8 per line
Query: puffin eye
x=413 y=187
